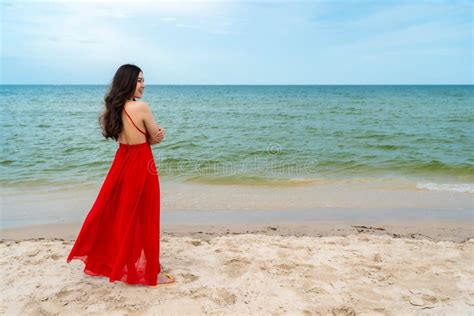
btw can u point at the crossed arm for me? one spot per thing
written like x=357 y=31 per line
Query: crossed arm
x=156 y=132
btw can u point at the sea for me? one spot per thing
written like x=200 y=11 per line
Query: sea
x=255 y=135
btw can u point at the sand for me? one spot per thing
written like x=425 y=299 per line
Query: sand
x=273 y=270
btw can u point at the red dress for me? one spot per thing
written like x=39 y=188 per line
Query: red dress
x=120 y=237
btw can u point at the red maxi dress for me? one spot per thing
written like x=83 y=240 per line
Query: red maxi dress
x=120 y=237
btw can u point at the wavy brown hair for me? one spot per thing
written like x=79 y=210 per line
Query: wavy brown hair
x=122 y=88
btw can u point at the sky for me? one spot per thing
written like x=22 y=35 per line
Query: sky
x=238 y=42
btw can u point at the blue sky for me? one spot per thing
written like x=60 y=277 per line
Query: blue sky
x=238 y=42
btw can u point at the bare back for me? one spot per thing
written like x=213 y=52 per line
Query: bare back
x=133 y=126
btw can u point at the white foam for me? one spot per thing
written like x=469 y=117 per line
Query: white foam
x=451 y=187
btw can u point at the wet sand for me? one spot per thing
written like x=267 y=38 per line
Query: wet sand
x=392 y=199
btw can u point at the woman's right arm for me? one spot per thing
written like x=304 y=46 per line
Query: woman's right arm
x=156 y=133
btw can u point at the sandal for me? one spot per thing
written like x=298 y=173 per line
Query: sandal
x=163 y=279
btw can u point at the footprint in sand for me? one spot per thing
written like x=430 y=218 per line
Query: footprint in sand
x=236 y=267
x=189 y=277
x=343 y=311
x=377 y=258
x=195 y=242
x=223 y=297
x=283 y=269
x=54 y=257
x=66 y=295
x=220 y=296
x=47 y=308
x=32 y=253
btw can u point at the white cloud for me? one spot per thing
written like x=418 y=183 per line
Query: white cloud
x=191 y=39
x=67 y=30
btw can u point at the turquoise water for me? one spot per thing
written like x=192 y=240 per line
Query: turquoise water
x=247 y=134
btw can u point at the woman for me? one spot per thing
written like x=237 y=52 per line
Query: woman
x=120 y=237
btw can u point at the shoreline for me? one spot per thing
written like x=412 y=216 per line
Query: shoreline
x=457 y=231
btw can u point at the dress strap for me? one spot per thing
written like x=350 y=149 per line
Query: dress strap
x=134 y=124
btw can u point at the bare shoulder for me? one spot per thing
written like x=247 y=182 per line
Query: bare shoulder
x=137 y=107
x=142 y=106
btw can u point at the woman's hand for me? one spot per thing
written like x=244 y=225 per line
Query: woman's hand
x=160 y=134
x=156 y=132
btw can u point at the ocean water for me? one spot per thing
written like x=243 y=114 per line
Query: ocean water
x=249 y=135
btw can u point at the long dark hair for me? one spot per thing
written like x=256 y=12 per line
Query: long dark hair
x=122 y=88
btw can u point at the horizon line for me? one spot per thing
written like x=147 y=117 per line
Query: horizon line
x=246 y=84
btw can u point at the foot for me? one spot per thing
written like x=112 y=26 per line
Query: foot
x=164 y=278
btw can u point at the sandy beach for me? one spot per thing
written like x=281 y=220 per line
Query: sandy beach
x=327 y=268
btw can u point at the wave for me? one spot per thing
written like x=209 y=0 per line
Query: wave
x=253 y=180
x=449 y=187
